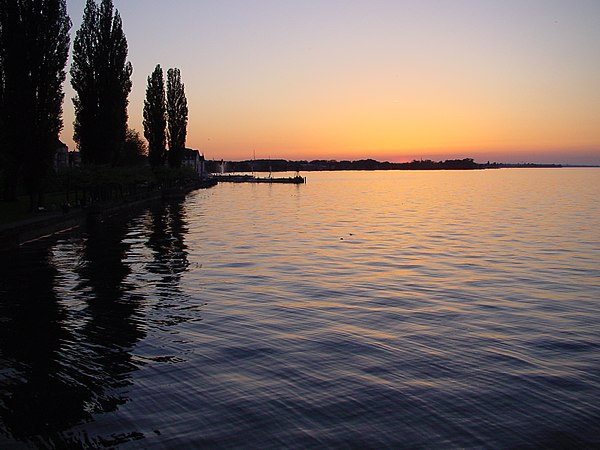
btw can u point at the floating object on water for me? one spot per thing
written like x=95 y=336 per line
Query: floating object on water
x=252 y=179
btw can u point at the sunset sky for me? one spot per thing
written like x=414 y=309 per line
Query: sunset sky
x=509 y=80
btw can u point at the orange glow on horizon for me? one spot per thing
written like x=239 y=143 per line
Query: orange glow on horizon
x=391 y=81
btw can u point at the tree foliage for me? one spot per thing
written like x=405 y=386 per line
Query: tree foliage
x=155 y=118
x=101 y=78
x=177 y=114
x=134 y=150
x=34 y=44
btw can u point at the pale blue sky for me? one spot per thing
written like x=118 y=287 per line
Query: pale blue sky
x=502 y=80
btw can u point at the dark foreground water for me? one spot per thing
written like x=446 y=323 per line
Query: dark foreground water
x=361 y=310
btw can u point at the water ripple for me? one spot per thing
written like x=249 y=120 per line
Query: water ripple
x=379 y=310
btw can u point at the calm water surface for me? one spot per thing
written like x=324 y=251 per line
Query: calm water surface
x=361 y=310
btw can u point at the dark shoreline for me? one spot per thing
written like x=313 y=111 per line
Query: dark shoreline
x=15 y=234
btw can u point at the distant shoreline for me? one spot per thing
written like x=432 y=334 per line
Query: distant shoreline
x=283 y=165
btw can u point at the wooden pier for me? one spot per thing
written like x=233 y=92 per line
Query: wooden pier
x=253 y=179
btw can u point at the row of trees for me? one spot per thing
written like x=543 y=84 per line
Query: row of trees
x=34 y=46
x=165 y=118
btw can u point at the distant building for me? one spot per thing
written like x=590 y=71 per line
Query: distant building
x=61 y=157
x=74 y=159
x=64 y=159
x=193 y=159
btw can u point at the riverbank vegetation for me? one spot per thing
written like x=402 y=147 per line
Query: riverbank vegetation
x=94 y=185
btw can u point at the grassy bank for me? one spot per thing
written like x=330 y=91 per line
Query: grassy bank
x=21 y=209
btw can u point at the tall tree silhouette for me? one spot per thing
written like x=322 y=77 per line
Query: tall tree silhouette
x=155 y=118
x=177 y=113
x=101 y=78
x=34 y=44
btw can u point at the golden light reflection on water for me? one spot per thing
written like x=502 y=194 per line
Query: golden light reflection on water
x=378 y=231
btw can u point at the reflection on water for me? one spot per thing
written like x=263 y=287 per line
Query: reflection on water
x=361 y=310
x=113 y=320
x=166 y=241
x=71 y=318
x=34 y=396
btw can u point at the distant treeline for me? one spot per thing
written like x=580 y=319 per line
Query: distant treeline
x=282 y=165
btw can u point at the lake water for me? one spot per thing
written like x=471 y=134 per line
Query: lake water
x=361 y=310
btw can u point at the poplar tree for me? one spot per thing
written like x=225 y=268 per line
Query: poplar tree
x=177 y=114
x=155 y=118
x=101 y=78
x=34 y=45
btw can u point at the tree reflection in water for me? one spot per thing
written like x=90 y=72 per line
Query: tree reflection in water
x=168 y=227
x=71 y=315
x=114 y=315
x=37 y=398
